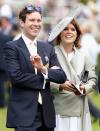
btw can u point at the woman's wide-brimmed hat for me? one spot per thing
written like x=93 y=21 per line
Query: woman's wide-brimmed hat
x=73 y=13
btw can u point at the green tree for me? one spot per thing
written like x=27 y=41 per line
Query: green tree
x=86 y=1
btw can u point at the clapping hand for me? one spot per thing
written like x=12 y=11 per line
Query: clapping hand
x=37 y=62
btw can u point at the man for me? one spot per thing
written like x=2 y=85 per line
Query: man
x=31 y=66
x=6 y=16
x=5 y=36
x=99 y=82
x=3 y=75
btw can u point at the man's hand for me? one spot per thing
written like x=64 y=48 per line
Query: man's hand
x=37 y=63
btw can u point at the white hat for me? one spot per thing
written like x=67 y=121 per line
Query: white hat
x=6 y=11
x=63 y=23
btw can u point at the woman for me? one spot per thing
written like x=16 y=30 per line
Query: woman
x=71 y=106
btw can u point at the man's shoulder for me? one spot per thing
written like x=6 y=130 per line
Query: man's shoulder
x=45 y=44
x=10 y=43
x=14 y=42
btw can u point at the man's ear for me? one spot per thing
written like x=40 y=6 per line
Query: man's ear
x=21 y=23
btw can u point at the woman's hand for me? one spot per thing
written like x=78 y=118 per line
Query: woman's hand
x=69 y=86
x=82 y=89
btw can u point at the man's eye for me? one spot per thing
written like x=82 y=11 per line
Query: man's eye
x=38 y=20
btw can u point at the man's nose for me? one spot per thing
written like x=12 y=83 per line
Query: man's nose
x=36 y=23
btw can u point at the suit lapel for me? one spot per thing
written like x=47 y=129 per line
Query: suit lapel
x=68 y=66
x=25 y=53
x=76 y=60
x=41 y=51
x=23 y=48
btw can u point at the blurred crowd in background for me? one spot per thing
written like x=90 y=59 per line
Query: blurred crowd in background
x=53 y=10
x=88 y=19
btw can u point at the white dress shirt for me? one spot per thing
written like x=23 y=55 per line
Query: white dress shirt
x=32 y=47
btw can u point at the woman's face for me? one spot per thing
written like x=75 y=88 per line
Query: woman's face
x=69 y=34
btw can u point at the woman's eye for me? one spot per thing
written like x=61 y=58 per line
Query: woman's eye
x=73 y=29
x=66 y=29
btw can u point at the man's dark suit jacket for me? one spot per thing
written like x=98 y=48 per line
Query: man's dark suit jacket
x=3 y=39
x=3 y=74
x=22 y=107
x=99 y=81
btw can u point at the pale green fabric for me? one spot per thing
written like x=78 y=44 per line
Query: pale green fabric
x=67 y=103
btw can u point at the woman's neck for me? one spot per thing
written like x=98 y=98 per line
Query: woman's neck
x=68 y=48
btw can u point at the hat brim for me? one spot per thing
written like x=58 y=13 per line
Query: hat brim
x=63 y=23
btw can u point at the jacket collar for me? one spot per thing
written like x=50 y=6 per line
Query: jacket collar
x=24 y=49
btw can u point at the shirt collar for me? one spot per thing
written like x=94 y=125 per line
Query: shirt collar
x=28 y=41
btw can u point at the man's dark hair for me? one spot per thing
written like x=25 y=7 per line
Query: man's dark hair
x=27 y=10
